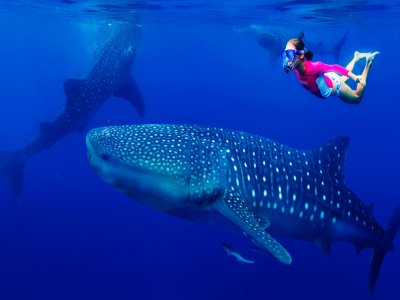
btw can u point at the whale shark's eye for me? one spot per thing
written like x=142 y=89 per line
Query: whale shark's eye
x=105 y=156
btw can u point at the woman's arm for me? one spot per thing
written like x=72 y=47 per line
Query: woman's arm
x=357 y=78
x=335 y=68
x=342 y=71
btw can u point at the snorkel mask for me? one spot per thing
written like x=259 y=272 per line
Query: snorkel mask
x=288 y=58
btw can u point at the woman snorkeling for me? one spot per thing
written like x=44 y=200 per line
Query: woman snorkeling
x=326 y=80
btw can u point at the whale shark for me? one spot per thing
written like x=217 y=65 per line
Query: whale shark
x=263 y=188
x=111 y=75
x=274 y=41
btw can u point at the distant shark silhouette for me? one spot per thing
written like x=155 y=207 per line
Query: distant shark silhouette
x=266 y=189
x=111 y=75
x=275 y=41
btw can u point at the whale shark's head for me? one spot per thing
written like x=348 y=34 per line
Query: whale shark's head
x=147 y=162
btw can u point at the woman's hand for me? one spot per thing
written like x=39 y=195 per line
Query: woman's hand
x=361 y=80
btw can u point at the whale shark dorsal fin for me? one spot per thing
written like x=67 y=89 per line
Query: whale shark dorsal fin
x=72 y=87
x=234 y=207
x=331 y=156
x=131 y=92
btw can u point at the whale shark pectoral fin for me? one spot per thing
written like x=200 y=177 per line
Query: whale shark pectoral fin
x=234 y=207
x=265 y=223
x=130 y=91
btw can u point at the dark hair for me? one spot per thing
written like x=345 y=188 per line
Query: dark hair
x=299 y=45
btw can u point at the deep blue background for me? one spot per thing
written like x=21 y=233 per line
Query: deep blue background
x=75 y=237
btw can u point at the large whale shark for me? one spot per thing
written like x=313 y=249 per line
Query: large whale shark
x=263 y=187
x=110 y=75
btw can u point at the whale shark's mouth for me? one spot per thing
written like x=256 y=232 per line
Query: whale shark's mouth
x=97 y=160
x=147 y=185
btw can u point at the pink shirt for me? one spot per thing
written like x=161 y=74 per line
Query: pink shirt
x=313 y=70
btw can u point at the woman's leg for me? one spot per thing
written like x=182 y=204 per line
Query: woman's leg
x=369 y=59
x=355 y=96
x=357 y=56
x=350 y=66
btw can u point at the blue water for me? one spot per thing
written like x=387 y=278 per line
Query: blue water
x=75 y=237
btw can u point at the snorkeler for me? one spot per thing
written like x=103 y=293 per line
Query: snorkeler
x=326 y=80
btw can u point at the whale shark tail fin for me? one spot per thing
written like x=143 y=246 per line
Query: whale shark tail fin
x=378 y=255
x=131 y=92
x=12 y=169
x=339 y=46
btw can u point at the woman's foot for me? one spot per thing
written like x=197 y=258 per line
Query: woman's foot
x=359 y=55
x=371 y=56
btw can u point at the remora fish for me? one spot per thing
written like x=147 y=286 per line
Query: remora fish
x=231 y=251
x=274 y=41
x=262 y=186
x=111 y=75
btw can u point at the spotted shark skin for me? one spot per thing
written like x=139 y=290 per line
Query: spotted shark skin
x=110 y=75
x=263 y=187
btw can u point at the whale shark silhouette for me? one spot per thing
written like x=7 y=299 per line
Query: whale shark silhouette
x=265 y=188
x=274 y=41
x=110 y=75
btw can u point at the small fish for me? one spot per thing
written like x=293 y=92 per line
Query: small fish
x=231 y=251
